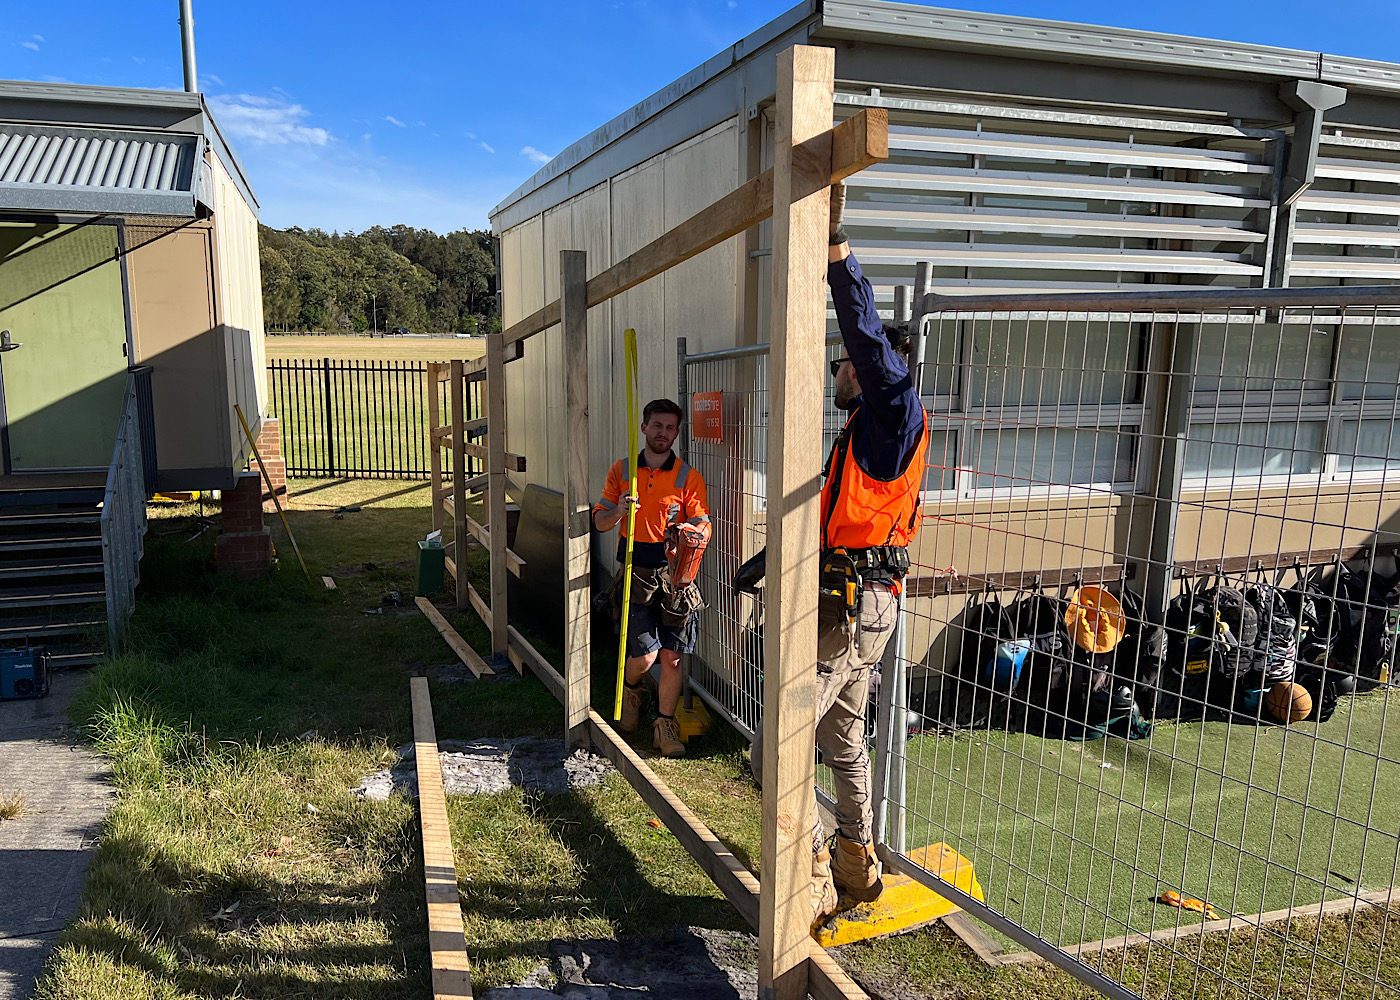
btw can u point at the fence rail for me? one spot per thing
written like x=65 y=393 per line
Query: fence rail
x=1226 y=737
x=353 y=419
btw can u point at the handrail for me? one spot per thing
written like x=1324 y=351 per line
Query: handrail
x=1180 y=299
x=123 y=518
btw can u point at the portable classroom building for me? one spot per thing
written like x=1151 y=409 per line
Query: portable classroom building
x=128 y=240
x=1025 y=155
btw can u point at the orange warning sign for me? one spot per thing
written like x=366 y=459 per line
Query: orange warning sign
x=706 y=416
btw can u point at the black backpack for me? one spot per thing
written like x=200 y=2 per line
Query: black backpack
x=1044 y=687
x=1202 y=656
x=1366 y=606
x=1313 y=609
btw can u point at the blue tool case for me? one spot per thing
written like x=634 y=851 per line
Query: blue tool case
x=24 y=673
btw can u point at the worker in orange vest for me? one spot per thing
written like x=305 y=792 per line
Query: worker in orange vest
x=661 y=623
x=869 y=516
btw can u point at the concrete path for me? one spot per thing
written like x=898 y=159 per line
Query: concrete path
x=44 y=853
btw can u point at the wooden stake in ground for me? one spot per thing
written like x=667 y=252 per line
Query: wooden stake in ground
x=457 y=388
x=451 y=979
x=573 y=281
x=801 y=208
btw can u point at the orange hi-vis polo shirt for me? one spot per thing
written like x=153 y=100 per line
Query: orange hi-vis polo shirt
x=674 y=492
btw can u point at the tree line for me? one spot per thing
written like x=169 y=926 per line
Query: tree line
x=382 y=278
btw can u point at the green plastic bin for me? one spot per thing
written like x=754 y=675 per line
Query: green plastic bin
x=431 y=568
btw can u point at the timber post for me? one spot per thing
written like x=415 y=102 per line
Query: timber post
x=573 y=313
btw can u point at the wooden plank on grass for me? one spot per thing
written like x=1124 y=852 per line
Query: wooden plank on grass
x=970 y=931
x=826 y=980
x=328 y=582
x=525 y=656
x=446 y=940
x=483 y=609
x=457 y=644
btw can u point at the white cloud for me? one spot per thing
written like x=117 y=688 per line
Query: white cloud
x=30 y=45
x=470 y=135
x=37 y=38
x=394 y=121
x=534 y=155
x=486 y=147
x=213 y=79
x=139 y=60
x=57 y=79
x=266 y=120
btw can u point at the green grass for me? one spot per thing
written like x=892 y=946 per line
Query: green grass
x=214 y=879
x=1225 y=813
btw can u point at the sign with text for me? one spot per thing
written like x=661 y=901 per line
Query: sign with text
x=706 y=416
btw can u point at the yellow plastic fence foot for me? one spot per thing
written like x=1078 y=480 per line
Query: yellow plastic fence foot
x=904 y=905
x=693 y=721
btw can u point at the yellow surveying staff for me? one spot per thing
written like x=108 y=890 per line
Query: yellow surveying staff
x=668 y=490
x=869 y=516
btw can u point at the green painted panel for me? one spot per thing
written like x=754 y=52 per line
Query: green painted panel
x=61 y=298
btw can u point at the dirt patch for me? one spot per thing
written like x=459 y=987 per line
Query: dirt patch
x=486 y=767
x=689 y=963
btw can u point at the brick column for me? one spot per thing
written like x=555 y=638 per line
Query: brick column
x=244 y=546
x=270 y=448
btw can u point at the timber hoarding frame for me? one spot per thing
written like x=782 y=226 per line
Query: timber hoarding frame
x=810 y=157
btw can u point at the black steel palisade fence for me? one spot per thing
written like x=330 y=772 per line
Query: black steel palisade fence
x=353 y=419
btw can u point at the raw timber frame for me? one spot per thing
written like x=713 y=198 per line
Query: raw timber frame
x=811 y=156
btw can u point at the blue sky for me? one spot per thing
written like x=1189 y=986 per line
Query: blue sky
x=353 y=113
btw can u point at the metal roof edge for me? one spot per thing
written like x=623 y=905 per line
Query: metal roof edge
x=936 y=27
x=658 y=102
x=81 y=93
x=226 y=152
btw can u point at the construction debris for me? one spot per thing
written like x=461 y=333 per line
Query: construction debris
x=490 y=766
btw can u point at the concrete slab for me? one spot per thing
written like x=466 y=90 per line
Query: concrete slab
x=44 y=853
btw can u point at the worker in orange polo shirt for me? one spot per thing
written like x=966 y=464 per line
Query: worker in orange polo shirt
x=668 y=490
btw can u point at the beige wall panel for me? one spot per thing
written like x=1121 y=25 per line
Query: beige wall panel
x=1337 y=517
x=592 y=223
x=174 y=331
x=558 y=234
x=700 y=294
x=524 y=422
x=238 y=302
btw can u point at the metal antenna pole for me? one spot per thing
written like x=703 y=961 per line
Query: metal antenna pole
x=187 y=46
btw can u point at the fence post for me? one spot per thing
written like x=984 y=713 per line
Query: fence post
x=328 y=424
x=805 y=84
x=573 y=317
x=683 y=398
x=496 y=488
x=457 y=390
x=434 y=453
x=1167 y=488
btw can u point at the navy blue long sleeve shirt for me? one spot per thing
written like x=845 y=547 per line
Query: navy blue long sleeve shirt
x=888 y=416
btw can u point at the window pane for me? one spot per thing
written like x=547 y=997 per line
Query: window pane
x=1254 y=449
x=1259 y=357
x=1049 y=362
x=1376 y=450
x=1054 y=456
x=1369 y=366
x=942 y=472
x=940 y=358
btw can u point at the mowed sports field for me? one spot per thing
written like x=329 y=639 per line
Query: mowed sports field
x=281 y=346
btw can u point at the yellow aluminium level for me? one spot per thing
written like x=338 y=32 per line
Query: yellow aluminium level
x=634 y=421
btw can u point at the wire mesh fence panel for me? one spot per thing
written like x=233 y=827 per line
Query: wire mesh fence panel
x=1151 y=628
x=355 y=419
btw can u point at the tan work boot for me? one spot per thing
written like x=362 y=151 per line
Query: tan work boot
x=631 y=710
x=855 y=870
x=824 y=896
x=666 y=737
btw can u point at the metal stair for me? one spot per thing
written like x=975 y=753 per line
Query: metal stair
x=52 y=589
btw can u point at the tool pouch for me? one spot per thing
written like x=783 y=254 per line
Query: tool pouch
x=676 y=606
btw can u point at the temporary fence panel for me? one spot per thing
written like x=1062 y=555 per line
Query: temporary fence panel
x=1231 y=746
x=354 y=419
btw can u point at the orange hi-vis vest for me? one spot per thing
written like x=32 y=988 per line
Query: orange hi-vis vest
x=862 y=512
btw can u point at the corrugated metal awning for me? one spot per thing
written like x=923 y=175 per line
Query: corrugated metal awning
x=92 y=170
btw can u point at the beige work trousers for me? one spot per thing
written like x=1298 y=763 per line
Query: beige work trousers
x=845 y=657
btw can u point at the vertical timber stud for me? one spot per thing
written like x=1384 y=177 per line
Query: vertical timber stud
x=683 y=398
x=573 y=316
x=434 y=444
x=801 y=207
x=458 y=389
x=496 y=487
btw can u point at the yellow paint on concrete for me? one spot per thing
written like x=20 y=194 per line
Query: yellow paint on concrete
x=905 y=904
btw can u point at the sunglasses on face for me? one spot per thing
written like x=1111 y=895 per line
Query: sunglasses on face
x=836 y=365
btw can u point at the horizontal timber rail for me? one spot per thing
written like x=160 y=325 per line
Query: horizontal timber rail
x=1179 y=300
x=850 y=147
